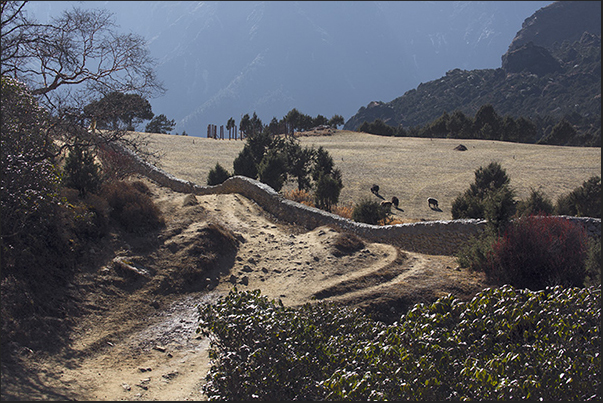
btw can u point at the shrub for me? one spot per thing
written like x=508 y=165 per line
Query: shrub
x=593 y=263
x=346 y=244
x=499 y=206
x=272 y=169
x=370 y=212
x=115 y=165
x=300 y=196
x=504 y=344
x=133 y=210
x=244 y=164
x=490 y=192
x=328 y=189
x=489 y=197
x=267 y=351
x=141 y=187
x=474 y=254
x=343 y=211
x=535 y=252
x=81 y=172
x=90 y=217
x=217 y=175
x=536 y=204
x=584 y=201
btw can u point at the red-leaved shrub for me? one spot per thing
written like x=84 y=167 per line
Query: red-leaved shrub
x=539 y=251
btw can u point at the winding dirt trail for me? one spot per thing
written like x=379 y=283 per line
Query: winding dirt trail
x=137 y=340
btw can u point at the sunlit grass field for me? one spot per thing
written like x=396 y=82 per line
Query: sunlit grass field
x=411 y=169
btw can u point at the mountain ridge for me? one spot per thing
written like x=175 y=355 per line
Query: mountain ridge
x=533 y=81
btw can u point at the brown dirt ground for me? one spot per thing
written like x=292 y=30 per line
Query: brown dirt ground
x=136 y=339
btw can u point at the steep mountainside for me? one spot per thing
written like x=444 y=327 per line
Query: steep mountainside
x=541 y=75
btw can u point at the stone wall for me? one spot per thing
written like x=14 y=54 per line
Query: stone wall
x=430 y=237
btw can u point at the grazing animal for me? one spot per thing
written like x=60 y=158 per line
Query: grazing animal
x=375 y=189
x=395 y=201
x=386 y=205
x=433 y=203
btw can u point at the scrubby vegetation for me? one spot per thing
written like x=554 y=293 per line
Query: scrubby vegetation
x=504 y=344
x=534 y=250
x=371 y=211
x=274 y=160
x=489 y=196
x=52 y=214
x=217 y=175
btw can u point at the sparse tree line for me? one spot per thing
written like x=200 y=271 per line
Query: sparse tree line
x=488 y=125
x=290 y=123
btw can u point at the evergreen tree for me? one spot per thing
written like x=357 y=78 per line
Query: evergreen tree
x=487 y=123
x=323 y=163
x=244 y=164
x=299 y=161
x=272 y=170
x=490 y=197
x=562 y=133
x=81 y=172
x=217 y=175
x=328 y=189
x=160 y=124
x=335 y=121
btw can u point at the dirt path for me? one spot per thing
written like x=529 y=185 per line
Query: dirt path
x=137 y=340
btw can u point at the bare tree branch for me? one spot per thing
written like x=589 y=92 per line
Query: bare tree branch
x=74 y=59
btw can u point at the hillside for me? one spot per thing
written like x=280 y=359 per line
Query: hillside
x=537 y=78
x=128 y=316
x=411 y=169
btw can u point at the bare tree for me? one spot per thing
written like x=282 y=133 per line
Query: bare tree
x=74 y=59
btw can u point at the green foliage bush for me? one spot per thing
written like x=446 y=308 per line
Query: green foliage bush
x=370 y=211
x=504 y=344
x=275 y=160
x=266 y=351
x=489 y=196
x=327 y=190
x=81 y=172
x=537 y=203
x=217 y=175
x=272 y=169
x=133 y=210
x=583 y=201
x=244 y=164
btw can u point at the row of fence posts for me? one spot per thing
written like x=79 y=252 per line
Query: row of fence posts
x=233 y=133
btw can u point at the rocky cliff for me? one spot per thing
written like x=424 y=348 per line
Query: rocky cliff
x=558 y=22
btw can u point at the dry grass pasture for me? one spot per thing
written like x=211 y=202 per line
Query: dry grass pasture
x=411 y=169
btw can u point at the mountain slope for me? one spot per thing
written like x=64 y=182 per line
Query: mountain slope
x=534 y=80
